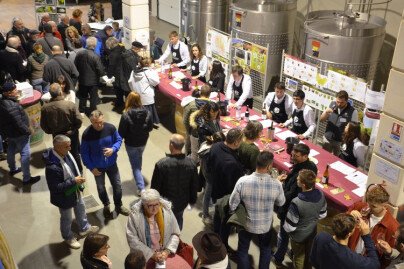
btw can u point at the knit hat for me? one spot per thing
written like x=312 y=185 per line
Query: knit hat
x=137 y=44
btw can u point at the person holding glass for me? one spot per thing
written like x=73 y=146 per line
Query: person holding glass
x=153 y=229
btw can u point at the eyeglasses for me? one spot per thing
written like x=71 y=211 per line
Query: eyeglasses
x=151 y=206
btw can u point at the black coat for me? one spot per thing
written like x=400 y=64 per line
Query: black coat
x=24 y=37
x=92 y=263
x=217 y=82
x=135 y=126
x=116 y=68
x=12 y=62
x=89 y=66
x=14 y=121
x=290 y=188
x=60 y=65
x=116 y=9
x=176 y=178
x=225 y=168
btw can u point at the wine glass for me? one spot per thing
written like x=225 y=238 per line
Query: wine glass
x=365 y=211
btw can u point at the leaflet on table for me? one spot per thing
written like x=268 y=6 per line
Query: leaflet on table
x=179 y=75
x=255 y=117
x=360 y=192
x=266 y=123
x=176 y=85
x=357 y=177
x=341 y=167
x=313 y=153
x=285 y=134
x=25 y=89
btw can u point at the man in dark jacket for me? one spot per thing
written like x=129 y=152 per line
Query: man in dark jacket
x=176 y=178
x=62 y=117
x=49 y=41
x=300 y=159
x=14 y=124
x=62 y=26
x=102 y=36
x=60 y=65
x=100 y=144
x=65 y=186
x=12 y=62
x=91 y=70
x=116 y=69
x=20 y=31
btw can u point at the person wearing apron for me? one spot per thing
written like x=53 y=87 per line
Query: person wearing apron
x=178 y=50
x=278 y=104
x=199 y=63
x=353 y=150
x=240 y=88
x=302 y=120
x=339 y=113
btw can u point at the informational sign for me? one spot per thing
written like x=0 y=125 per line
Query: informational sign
x=297 y=69
x=250 y=56
x=355 y=88
x=53 y=7
x=259 y=58
x=316 y=99
x=218 y=47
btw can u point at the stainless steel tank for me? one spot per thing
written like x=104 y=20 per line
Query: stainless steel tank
x=198 y=15
x=266 y=23
x=349 y=41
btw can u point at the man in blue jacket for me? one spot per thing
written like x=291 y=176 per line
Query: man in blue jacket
x=100 y=144
x=65 y=186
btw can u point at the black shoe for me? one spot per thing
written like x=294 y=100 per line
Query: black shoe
x=155 y=126
x=32 y=180
x=107 y=212
x=16 y=171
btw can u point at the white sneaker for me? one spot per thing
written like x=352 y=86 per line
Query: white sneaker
x=92 y=229
x=73 y=243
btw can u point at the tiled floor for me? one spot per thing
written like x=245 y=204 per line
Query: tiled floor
x=31 y=223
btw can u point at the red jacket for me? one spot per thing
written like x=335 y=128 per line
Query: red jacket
x=387 y=226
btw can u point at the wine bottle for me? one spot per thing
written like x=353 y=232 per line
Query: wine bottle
x=326 y=175
x=271 y=131
x=247 y=115
x=264 y=112
x=170 y=73
x=196 y=86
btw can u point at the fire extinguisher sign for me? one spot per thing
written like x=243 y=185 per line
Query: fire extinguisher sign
x=238 y=19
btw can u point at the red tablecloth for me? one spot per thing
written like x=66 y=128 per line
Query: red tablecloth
x=31 y=100
x=341 y=200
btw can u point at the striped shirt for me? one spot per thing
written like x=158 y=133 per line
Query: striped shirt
x=259 y=193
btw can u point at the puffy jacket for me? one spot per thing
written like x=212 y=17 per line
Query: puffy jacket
x=202 y=128
x=92 y=263
x=14 y=121
x=60 y=116
x=56 y=182
x=189 y=109
x=135 y=126
x=176 y=178
x=12 y=62
x=89 y=66
x=116 y=68
x=143 y=83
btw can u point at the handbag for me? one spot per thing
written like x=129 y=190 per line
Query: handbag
x=186 y=252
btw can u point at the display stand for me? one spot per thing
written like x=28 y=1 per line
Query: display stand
x=32 y=106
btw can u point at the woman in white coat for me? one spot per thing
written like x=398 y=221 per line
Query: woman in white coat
x=144 y=82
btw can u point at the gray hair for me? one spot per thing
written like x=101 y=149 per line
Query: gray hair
x=91 y=42
x=15 y=19
x=111 y=42
x=96 y=114
x=52 y=23
x=59 y=139
x=13 y=41
x=55 y=90
x=149 y=195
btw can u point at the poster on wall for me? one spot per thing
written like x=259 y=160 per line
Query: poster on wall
x=53 y=7
x=295 y=68
x=242 y=54
x=259 y=58
x=218 y=47
x=316 y=99
x=355 y=88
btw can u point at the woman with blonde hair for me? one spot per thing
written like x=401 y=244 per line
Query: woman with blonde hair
x=72 y=39
x=134 y=127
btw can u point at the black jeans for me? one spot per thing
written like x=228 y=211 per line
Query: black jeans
x=83 y=93
x=120 y=93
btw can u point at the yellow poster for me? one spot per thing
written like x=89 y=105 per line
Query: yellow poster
x=258 y=58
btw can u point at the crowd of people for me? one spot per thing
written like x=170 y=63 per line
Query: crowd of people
x=237 y=178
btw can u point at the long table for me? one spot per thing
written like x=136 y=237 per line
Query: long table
x=339 y=190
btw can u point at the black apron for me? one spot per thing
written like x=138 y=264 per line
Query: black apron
x=347 y=154
x=278 y=111
x=238 y=91
x=176 y=55
x=195 y=70
x=299 y=126
x=337 y=121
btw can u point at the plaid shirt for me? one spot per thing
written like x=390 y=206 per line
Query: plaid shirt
x=259 y=193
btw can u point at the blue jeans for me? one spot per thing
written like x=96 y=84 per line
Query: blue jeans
x=135 y=155
x=115 y=179
x=19 y=145
x=180 y=218
x=282 y=243
x=264 y=243
x=40 y=85
x=66 y=219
